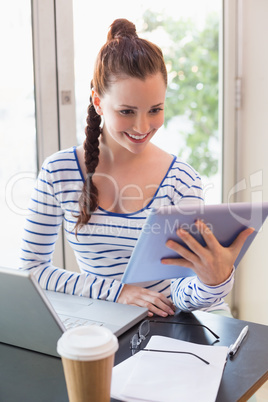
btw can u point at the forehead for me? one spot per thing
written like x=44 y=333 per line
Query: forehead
x=133 y=91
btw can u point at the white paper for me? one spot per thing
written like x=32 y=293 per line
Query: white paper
x=167 y=377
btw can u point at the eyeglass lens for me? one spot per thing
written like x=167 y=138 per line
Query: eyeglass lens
x=143 y=331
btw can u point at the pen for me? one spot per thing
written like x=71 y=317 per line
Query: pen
x=233 y=348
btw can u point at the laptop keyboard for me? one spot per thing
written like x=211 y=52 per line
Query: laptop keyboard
x=71 y=322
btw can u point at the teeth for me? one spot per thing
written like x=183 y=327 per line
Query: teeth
x=137 y=137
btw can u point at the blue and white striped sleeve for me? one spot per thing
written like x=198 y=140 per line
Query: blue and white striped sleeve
x=190 y=293
x=41 y=230
x=186 y=183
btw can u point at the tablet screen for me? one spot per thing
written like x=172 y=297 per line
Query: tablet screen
x=225 y=220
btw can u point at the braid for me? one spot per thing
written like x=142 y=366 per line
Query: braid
x=88 y=201
x=124 y=54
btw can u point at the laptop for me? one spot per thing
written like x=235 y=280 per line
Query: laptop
x=225 y=220
x=35 y=319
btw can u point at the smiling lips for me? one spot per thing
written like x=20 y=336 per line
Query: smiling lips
x=137 y=138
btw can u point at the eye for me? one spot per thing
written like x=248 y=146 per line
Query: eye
x=156 y=110
x=126 y=112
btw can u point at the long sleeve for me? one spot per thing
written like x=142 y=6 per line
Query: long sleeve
x=42 y=226
x=191 y=294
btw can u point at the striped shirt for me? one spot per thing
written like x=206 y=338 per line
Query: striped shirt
x=104 y=245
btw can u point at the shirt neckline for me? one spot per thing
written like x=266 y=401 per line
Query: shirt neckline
x=131 y=213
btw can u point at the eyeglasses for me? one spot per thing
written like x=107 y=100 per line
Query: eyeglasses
x=144 y=330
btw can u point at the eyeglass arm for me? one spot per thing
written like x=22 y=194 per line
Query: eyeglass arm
x=174 y=351
x=187 y=323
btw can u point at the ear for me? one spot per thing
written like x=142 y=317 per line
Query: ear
x=96 y=102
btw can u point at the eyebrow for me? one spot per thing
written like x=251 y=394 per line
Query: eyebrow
x=135 y=107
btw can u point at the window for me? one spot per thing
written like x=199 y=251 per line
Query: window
x=189 y=34
x=18 y=162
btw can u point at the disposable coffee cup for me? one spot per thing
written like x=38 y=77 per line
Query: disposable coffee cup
x=87 y=354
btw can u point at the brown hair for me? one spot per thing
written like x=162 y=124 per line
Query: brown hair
x=123 y=55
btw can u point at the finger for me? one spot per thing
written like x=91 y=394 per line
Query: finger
x=191 y=242
x=210 y=240
x=164 y=305
x=164 y=299
x=167 y=301
x=181 y=250
x=152 y=309
x=238 y=243
x=153 y=303
x=158 y=303
x=177 y=261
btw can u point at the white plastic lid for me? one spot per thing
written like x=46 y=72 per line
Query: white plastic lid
x=87 y=343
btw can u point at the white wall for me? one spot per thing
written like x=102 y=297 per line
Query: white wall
x=250 y=296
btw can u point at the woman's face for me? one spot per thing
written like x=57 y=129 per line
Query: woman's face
x=133 y=110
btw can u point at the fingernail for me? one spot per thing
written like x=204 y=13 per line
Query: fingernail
x=181 y=232
x=164 y=314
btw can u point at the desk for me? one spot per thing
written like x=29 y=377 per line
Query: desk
x=31 y=376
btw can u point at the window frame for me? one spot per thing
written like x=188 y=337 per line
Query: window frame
x=53 y=55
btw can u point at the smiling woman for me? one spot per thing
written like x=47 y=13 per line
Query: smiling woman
x=189 y=34
x=71 y=189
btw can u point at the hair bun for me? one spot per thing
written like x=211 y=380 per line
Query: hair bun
x=121 y=28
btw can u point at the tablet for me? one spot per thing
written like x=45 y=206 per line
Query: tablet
x=225 y=220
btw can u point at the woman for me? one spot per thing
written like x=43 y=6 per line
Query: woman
x=104 y=190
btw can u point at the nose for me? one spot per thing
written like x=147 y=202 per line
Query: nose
x=142 y=124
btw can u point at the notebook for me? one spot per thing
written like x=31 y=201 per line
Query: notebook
x=35 y=319
x=225 y=220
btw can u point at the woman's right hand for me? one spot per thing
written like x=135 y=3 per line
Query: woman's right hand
x=156 y=302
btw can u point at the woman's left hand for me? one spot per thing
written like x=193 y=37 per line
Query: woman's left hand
x=213 y=263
